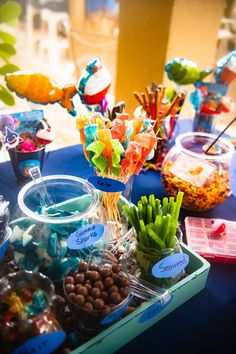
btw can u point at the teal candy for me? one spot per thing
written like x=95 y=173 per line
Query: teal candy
x=39 y=301
x=30 y=261
x=52 y=245
x=57 y=271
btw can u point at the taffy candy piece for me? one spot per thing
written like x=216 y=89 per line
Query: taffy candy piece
x=45 y=136
x=38 y=88
x=118 y=129
x=133 y=154
x=106 y=137
x=226 y=68
x=183 y=71
x=116 y=156
x=100 y=161
x=94 y=83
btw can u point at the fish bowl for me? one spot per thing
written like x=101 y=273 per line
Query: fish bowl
x=199 y=170
x=57 y=222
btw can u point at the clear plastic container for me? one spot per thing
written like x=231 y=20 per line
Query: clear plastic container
x=54 y=238
x=26 y=311
x=203 y=177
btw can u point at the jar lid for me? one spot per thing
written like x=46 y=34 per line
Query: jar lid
x=194 y=144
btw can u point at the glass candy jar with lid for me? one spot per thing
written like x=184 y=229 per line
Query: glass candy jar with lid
x=52 y=239
x=202 y=176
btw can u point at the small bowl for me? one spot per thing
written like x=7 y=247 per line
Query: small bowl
x=4 y=244
x=93 y=320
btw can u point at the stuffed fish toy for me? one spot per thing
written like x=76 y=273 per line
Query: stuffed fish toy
x=184 y=72
x=38 y=88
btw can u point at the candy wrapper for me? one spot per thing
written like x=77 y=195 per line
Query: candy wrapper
x=4 y=217
x=117 y=150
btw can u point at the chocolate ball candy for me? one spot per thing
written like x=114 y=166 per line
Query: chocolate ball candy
x=95 y=292
x=124 y=281
x=80 y=299
x=115 y=297
x=88 y=306
x=104 y=295
x=80 y=278
x=72 y=297
x=116 y=278
x=94 y=267
x=99 y=284
x=69 y=279
x=106 y=272
x=83 y=266
x=108 y=282
x=88 y=285
x=116 y=268
x=99 y=303
x=88 y=274
x=124 y=292
x=112 y=289
x=81 y=289
x=89 y=298
x=69 y=288
x=95 y=276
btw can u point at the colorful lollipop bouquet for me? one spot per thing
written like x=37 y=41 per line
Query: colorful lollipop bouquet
x=117 y=149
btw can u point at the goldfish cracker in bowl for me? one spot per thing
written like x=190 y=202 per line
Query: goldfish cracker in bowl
x=202 y=176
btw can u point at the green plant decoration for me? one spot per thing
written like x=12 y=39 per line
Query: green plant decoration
x=9 y=13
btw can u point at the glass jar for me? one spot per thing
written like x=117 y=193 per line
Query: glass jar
x=26 y=300
x=203 y=177
x=97 y=291
x=52 y=239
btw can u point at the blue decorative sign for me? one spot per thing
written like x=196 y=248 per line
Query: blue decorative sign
x=170 y=266
x=85 y=236
x=107 y=184
x=154 y=310
x=43 y=344
x=117 y=313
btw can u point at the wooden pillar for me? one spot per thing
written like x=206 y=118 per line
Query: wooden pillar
x=153 y=32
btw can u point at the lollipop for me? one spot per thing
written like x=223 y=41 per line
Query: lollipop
x=184 y=72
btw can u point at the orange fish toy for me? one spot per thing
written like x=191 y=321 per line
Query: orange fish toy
x=38 y=88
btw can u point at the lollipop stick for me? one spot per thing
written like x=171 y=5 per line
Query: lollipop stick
x=213 y=143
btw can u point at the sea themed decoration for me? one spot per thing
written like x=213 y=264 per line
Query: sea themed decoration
x=38 y=88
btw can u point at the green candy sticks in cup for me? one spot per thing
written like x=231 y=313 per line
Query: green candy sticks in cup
x=155 y=222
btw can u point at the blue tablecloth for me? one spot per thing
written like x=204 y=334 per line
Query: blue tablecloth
x=205 y=323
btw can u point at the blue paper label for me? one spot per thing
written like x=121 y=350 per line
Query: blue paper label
x=25 y=166
x=85 y=236
x=170 y=265
x=116 y=314
x=43 y=344
x=106 y=184
x=154 y=310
